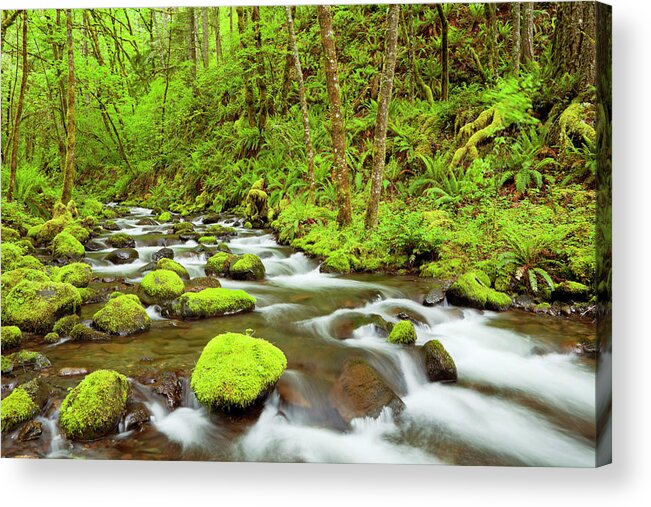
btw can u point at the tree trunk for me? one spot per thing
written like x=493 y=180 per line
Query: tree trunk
x=338 y=134
x=260 y=72
x=69 y=175
x=218 y=39
x=205 y=46
x=248 y=90
x=192 y=42
x=19 y=113
x=445 y=73
x=515 y=35
x=382 y=119
x=573 y=44
x=8 y=19
x=301 y=94
x=526 y=30
x=491 y=36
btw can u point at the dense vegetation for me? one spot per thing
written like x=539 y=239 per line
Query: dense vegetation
x=488 y=118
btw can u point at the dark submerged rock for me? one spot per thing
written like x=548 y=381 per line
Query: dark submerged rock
x=163 y=253
x=122 y=256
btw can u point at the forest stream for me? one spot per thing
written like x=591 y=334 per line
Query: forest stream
x=523 y=395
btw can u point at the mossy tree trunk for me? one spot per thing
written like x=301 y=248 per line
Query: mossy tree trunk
x=303 y=99
x=192 y=42
x=218 y=38
x=491 y=38
x=382 y=119
x=69 y=174
x=445 y=71
x=338 y=134
x=19 y=113
x=205 y=45
x=248 y=90
x=261 y=80
x=526 y=32
x=515 y=36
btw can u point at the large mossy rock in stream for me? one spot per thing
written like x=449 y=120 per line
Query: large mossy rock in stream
x=94 y=408
x=235 y=370
x=29 y=359
x=439 y=364
x=121 y=240
x=17 y=408
x=122 y=256
x=210 y=303
x=220 y=231
x=78 y=274
x=473 y=290
x=10 y=337
x=165 y=216
x=65 y=247
x=122 y=315
x=12 y=278
x=36 y=306
x=247 y=267
x=183 y=227
x=174 y=266
x=219 y=264
x=81 y=333
x=360 y=391
x=571 y=292
x=160 y=286
x=64 y=325
x=110 y=225
x=403 y=333
x=78 y=231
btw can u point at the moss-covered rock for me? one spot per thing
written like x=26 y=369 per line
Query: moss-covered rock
x=12 y=278
x=255 y=205
x=94 y=408
x=10 y=337
x=45 y=233
x=160 y=286
x=163 y=253
x=110 y=225
x=166 y=216
x=78 y=232
x=121 y=240
x=6 y=366
x=29 y=359
x=336 y=262
x=236 y=370
x=9 y=234
x=220 y=231
x=571 y=291
x=78 y=274
x=171 y=265
x=17 y=408
x=11 y=256
x=51 y=338
x=182 y=227
x=36 y=306
x=439 y=364
x=473 y=290
x=211 y=303
x=202 y=282
x=219 y=264
x=247 y=267
x=65 y=324
x=403 y=333
x=223 y=247
x=82 y=333
x=207 y=240
x=65 y=247
x=122 y=315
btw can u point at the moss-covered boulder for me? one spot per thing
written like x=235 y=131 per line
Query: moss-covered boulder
x=202 y=282
x=255 y=204
x=211 y=303
x=36 y=306
x=207 y=240
x=163 y=253
x=9 y=234
x=160 y=286
x=219 y=264
x=473 y=290
x=10 y=337
x=247 y=267
x=78 y=231
x=571 y=291
x=66 y=248
x=51 y=338
x=65 y=324
x=235 y=370
x=110 y=225
x=122 y=315
x=360 y=391
x=403 y=333
x=439 y=364
x=29 y=359
x=122 y=256
x=336 y=262
x=11 y=255
x=6 y=366
x=82 y=333
x=165 y=216
x=121 y=240
x=78 y=274
x=12 y=278
x=45 y=233
x=182 y=227
x=220 y=231
x=17 y=408
x=94 y=408
x=171 y=265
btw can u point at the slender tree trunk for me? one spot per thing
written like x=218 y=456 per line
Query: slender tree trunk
x=445 y=72
x=301 y=94
x=19 y=113
x=515 y=35
x=248 y=90
x=338 y=134
x=218 y=39
x=526 y=30
x=69 y=175
x=491 y=36
x=167 y=82
x=205 y=46
x=382 y=119
x=8 y=19
x=260 y=72
x=192 y=42
x=409 y=34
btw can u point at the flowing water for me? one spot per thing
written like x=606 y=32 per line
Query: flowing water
x=523 y=396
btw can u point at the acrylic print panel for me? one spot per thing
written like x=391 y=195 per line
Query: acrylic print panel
x=345 y=234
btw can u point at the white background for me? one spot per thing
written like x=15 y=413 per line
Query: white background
x=626 y=482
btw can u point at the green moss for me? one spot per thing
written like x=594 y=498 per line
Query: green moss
x=51 y=338
x=571 y=291
x=123 y=315
x=439 y=365
x=207 y=240
x=9 y=234
x=234 y=370
x=219 y=230
x=219 y=264
x=161 y=285
x=88 y=295
x=472 y=290
x=65 y=324
x=94 y=408
x=166 y=216
x=403 y=333
x=45 y=233
x=248 y=225
x=17 y=408
x=30 y=262
x=336 y=262
x=78 y=274
x=11 y=255
x=108 y=213
x=211 y=303
x=174 y=266
x=36 y=306
x=78 y=232
x=29 y=358
x=12 y=278
x=90 y=222
x=223 y=247
x=11 y=336
x=65 y=246
x=6 y=365
x=247 y=267
x=121 y=240
x=182 y=227
x=255 y=206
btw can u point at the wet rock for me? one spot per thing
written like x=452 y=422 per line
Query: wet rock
x=29 y=359
x=182 y=227
x=360 y=391
x=121 y=240
x=434 y=297
x=170 y=387
x=247 y=267
x=110 y=225
x=189 y=236
x=202 y=282
x=122 y=256
x=71 y=371
x=31 y=431
x=210 y=303
x=146 y=221
x=571 y=291
x=137 y=415
x=94 y=245
x=163 y=253
x=290 y=394
x=414 y=319
x=81 y=333
x=212 y=218
x=122 y=315
x=439 y=365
